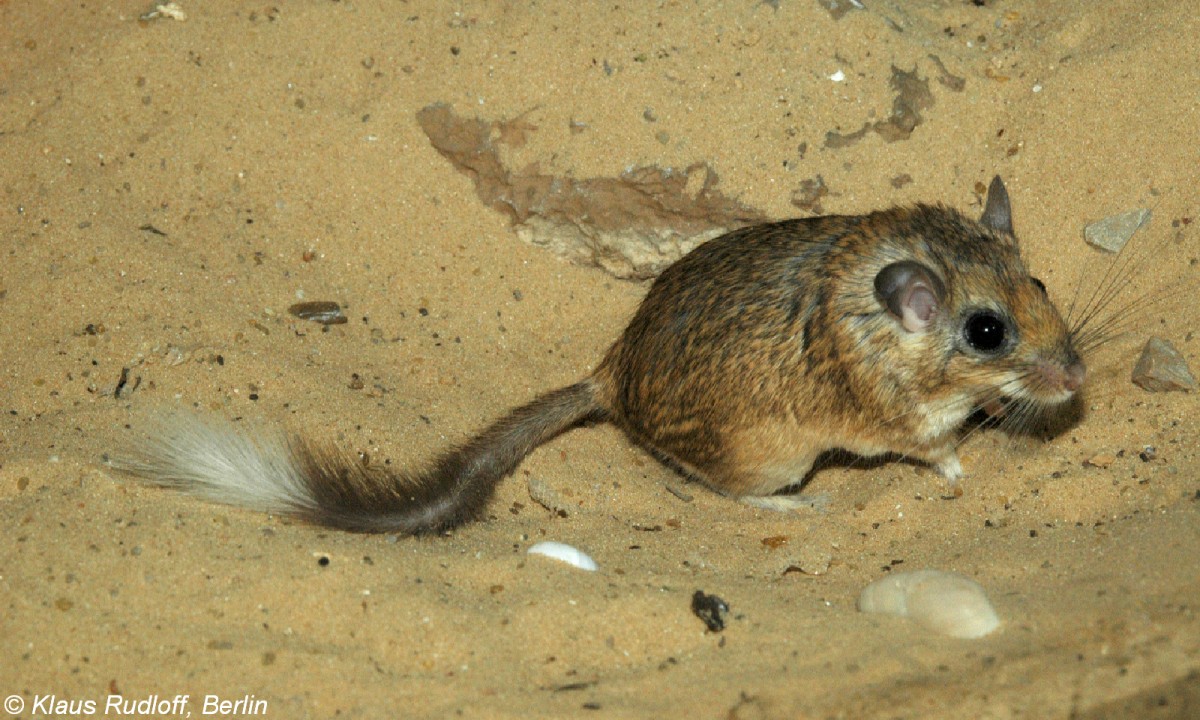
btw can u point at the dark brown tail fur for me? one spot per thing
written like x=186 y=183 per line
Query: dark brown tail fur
x=264 y=470
x=455 y=489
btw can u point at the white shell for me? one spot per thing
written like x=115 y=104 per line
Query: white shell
x=944 y=602
x=565 y=553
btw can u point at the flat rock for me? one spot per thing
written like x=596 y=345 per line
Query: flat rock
x=633 y=225
x=1113 y=232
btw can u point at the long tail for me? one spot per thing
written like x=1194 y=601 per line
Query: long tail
x=266 y=470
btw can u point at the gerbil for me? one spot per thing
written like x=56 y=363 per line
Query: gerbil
x=749 y=357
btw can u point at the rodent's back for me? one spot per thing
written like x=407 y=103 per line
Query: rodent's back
x=717 y=336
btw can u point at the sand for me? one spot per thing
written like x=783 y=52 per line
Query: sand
x=170 y=187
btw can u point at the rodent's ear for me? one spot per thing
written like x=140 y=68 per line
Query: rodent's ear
x=911 y=292
x=997 y=213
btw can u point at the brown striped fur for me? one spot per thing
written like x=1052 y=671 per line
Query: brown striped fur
x=768 y=346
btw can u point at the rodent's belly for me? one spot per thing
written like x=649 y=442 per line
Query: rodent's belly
x=737 y=446
x=774 y=454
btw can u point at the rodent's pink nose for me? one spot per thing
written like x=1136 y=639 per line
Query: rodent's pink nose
x=1074 y=375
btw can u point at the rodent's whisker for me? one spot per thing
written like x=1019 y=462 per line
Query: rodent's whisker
x=1115 y=279
x=1115 y=322
x=1112 y=321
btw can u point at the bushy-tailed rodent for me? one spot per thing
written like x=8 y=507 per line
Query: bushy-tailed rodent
x=749 y=357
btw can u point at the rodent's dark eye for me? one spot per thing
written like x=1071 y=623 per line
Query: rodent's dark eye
x=1040 y=285
x=984 y=332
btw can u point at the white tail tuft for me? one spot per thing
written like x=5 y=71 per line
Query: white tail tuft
x=251 y=467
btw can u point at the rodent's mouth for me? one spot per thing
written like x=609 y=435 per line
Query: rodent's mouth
x=1065 y=379
x=1048 y=385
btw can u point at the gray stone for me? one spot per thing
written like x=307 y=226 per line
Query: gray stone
x=1161 y=368
x=1113 y=232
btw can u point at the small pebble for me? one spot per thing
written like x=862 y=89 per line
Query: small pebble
x=775 y=541
x=945 y=602
x=1100 y=460
x=711 y=609
x=1161 y=368
x=547 y=497
x=325 y=312
x=164 y=10
x=809 y=561
x=679 y=492
x=1113 y=232
x=564 y=553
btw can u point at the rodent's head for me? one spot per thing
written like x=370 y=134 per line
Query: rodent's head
x=991 y=326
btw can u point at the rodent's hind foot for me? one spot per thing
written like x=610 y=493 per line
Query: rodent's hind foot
x=788 y=503
x=950 y=468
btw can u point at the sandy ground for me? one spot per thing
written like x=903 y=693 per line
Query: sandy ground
x=170 y=187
